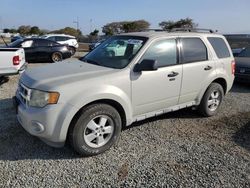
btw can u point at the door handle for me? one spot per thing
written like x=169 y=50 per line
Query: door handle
x=208 y=68
x=173 y=74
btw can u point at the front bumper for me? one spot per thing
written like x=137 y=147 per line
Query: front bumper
x=45 y=123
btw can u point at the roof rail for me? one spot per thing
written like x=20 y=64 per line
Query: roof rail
x=156 y=30
x=187 y=29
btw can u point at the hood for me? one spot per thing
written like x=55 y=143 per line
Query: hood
x=65 y=72
x=242 y=62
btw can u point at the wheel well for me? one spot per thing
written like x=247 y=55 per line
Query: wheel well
x=110 y=102
x=222 y=82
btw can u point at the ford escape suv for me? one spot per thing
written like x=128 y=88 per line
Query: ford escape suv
x=88 y=101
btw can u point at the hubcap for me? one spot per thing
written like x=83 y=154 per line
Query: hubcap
x=98 y=131
x=56 y=57
x=214 y=100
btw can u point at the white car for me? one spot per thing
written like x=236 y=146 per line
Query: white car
x=64 y=39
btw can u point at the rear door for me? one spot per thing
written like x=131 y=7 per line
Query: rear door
x=160 y=89
x=198 y=68
x=43 y=49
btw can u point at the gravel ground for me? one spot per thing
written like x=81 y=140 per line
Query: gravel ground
x=178 y=149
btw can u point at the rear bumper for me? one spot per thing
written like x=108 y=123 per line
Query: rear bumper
x=19 y=71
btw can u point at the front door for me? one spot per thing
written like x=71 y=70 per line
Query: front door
x=156 y=90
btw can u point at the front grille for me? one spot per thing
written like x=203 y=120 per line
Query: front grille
x=23 y=93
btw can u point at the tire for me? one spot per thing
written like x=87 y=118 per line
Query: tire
x=56 y=56
x=72 y=50
x=96 y=130
x=211 y=100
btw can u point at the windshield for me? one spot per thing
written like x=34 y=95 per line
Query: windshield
x=116 y=52
x=16 y=43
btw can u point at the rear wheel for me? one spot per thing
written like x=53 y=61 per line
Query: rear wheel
x=211 y=100
x=56 y=56
x=96 y=130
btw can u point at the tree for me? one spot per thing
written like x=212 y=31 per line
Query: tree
x=135 y=26
x=68 y=31
x=187 y=23
x=125 y=27
x=94 y=33
x=24 y=29
x=112 y=28
x=35 y=30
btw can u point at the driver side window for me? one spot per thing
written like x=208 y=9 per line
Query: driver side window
x=164 y=52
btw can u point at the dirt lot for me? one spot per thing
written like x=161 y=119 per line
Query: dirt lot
x=178 y=149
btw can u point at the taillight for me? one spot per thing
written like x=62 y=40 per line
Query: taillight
x=16 y=60
x=233 y=66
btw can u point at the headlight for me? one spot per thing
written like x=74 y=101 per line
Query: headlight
x=42 y=98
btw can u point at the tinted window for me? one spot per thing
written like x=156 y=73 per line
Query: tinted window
x=52 y=43
x=245 y=53
x=41 y=43
x=60 y=38
x=163 y=51
x=193 y=50
x=52 y=38
x=220 y=47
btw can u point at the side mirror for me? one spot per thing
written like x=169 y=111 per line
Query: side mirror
x=146 y=65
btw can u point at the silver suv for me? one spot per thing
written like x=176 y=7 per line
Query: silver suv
x=89 y=101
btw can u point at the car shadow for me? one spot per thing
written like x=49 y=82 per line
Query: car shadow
x=239 y=87
x=242 y=136
x=186 y=113
x=17 y=144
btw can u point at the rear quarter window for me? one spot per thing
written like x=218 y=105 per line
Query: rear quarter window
x=219 y=47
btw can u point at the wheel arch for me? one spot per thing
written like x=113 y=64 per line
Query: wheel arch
x=219 y=80
x=110 y=102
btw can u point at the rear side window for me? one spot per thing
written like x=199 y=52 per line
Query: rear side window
x=41 y=43
x=52 y=38
x=219 y=46
x=163 y=51
x=193 y=50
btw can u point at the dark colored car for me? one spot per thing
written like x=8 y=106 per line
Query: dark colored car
x=242 y=73
x=237 y=51
x=42 y=50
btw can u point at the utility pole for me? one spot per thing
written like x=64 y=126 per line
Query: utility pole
x=77 y=23
x=1 y=23
x=90 y=25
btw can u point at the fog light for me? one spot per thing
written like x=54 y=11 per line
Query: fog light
x=37 y=127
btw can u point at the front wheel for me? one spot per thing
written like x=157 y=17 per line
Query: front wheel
x=211 y=100
x=96 y=130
